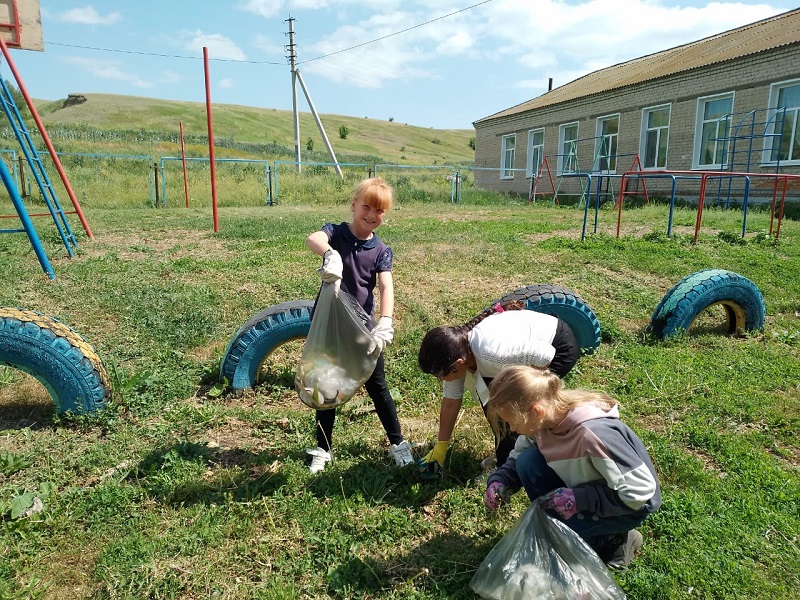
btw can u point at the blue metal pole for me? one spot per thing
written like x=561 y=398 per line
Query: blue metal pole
x=744 y=204
x=27 y=224
x=275 y=181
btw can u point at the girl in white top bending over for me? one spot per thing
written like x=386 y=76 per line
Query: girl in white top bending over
x=472 y=354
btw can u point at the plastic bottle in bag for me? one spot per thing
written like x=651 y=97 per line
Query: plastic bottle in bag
x=337 y=357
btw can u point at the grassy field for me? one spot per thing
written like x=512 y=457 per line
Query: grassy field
x=177 y=493
x=119 y=125
x=124 y=152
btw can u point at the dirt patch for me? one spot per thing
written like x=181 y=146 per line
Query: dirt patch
x=623 y=274
x=709 y=463
x=235 y=434
x=570 y=234
x=24 y=403
x=172 y=244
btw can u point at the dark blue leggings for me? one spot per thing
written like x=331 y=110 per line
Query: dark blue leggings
x=378 y=390
x=538 y=479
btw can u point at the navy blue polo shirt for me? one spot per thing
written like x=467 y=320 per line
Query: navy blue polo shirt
x=362 y=260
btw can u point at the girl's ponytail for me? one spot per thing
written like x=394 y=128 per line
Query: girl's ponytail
x=494 y=309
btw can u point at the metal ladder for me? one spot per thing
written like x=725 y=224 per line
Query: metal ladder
x=39 y=172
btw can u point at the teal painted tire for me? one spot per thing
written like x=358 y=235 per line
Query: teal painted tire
x=260 y=337
x=57 y=356
x=561 y=302
x=680 y=306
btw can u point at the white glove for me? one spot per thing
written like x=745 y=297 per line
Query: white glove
x=382 y=335
x=331 y=269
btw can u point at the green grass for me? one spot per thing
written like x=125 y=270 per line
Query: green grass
x=124 y=152
x=172 y=493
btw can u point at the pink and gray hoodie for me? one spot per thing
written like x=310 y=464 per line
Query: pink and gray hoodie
x=596 y=455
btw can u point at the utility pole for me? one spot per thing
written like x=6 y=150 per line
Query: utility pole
x=295 y=78
x=291 y=49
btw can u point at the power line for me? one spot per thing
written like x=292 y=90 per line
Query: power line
x=396 y=32
x=234 y=60
x=266 y=62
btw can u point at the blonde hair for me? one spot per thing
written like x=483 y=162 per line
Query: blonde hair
x=374 y=192
x=516 y=389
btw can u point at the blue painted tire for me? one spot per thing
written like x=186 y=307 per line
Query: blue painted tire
x=57 y=356
x=259 y=337
x=561 y=302
x=740 y=297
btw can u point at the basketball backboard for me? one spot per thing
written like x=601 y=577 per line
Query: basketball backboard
x=21 y=24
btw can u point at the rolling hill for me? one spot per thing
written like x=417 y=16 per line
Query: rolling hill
x=381 y=140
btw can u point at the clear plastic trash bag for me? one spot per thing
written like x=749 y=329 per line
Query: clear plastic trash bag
x=541 y=558
x=336 y=358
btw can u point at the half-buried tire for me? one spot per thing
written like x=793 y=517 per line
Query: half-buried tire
x=263 y=337
x=678 y=309
x=563 y=303
x=57 y=356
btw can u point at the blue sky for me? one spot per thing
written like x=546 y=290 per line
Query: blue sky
x=431 y=63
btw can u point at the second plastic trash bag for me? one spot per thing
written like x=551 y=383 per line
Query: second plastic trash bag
x=336 y=358
x=541 y=558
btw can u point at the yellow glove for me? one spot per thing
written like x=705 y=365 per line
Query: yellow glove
x=438 y=453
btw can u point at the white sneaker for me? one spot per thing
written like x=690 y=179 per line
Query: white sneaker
x=318 y=459
x=401 y=453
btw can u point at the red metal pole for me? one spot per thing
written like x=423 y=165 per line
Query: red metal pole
x=211 y=143
x=183 y=159
x=619 y=202
x=772 y=208
x=700 y=201
x=783 y=204
x=46 y=138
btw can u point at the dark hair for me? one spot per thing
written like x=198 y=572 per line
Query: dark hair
x=443 y=346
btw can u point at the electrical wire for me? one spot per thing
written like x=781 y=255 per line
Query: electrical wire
x=255 y=62
x=395 y=33
x=266 y=62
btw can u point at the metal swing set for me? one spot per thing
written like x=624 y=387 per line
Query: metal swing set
x=20 y=27
x=734 y=141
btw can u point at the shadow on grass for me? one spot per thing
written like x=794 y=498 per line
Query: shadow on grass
x=185 y=473
x=27 y=415
x=381 y=482
x=444 y=564
x=193 y=472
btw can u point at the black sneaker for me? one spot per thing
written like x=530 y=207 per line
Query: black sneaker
x=623 y=554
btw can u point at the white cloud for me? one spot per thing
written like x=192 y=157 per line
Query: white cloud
x=405 y=56
x=270 y=47
x=274 y=8
x=309 y=4
x=548 y=38
x=170 y=77
x=88 y=16
x=568 y=40
x=456 y=44
x=108 y=69
x=219 y=46
x=263 y=8
x=227 y=83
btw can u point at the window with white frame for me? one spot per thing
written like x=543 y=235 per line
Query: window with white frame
x=568 y=148
x=507 y=155
x=783 y=131
x=712 y=131
x=606 y=143
x=655 y=137
x=535 y=152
